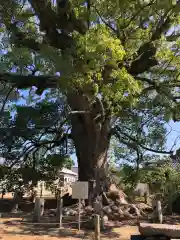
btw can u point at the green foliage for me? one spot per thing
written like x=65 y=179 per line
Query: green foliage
x=97 y=47
x=123 y=58
x=159 y=173
x=3 y=171
x=100 y=43
x=58 y=161
x=24 y=176
x=128 y=177
x=35 y=146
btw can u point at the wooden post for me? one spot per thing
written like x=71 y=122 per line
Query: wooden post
x=59 y=207
x=79 y=215
x=59 y=211
x=97 y=227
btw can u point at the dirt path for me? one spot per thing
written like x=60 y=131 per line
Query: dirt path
x=14 y=231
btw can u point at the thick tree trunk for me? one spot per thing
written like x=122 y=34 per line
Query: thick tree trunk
x=91 y=138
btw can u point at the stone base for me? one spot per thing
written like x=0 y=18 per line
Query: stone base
x=140 y=237
x=157 y=238
x=159 y=230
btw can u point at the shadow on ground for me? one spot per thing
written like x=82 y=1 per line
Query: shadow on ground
x=18 y=228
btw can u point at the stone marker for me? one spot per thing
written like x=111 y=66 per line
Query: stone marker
x=150 y=230
x=159 y=215
x=38 y=209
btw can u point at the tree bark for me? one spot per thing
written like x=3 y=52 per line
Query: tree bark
x=91 y=139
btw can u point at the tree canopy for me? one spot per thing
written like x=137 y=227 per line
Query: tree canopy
x=108 y=68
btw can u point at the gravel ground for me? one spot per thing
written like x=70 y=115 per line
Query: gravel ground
x=12 y=229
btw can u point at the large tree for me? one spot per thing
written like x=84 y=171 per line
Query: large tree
x=113 y=61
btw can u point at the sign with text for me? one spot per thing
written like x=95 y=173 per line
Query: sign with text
x=80 y=190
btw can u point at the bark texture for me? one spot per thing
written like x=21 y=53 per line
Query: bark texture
x=91 y=138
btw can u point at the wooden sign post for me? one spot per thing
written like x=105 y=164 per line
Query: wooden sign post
x=80 y=192
x=97 y=227
x=59 y=207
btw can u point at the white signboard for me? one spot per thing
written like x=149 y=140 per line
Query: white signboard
x=80 y=190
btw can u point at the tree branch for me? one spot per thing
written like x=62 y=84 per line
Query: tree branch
x=24 y=82
x=173 y=37
x=143 y=79
x=145 y=59
x=53 y=38
x=64 y=20
x=106 y=23
x=137 y=13
x=146 y=53
x=117 y=129
x=36 y=145
x=6 y=98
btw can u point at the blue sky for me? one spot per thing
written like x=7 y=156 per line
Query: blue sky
x=174 y=135
x=173 y=130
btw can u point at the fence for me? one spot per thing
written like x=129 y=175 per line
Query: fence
x=63 y=221
x=96 y=235
x=60 y=222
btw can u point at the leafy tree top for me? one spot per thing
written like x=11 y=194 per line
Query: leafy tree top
x=118 y=49
x=119 y=56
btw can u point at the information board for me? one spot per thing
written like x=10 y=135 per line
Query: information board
x=80 y=190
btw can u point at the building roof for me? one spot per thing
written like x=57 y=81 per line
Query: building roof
x=67 y=171
x=75 y=169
